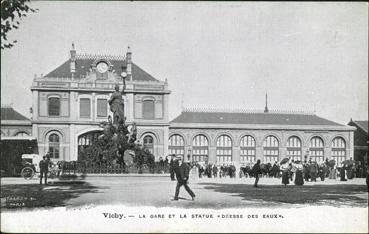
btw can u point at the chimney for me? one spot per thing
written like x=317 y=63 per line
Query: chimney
x=73 y=60
x=129 y=63
x=266 y=110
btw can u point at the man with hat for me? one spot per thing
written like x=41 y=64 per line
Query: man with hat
x=44 y=168
x=172 y=166
x=182 y=173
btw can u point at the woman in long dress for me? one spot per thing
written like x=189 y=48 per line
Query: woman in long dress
x=299 y=179
x=285 y=173
x=332 y=173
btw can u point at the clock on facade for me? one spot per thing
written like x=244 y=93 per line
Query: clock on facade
x=102 y=67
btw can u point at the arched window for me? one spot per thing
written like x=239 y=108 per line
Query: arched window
x=248 y=149
x=54 y=106
x=271 y=149
x=294 y=148
x=200 y=148
x=338 y=150
x=148 y=143
x=21 y=134
x=54 y=146
x=148 y=109
x=316 y=149
x=176 y=145
x=224 y=149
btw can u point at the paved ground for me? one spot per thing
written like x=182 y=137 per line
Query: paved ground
x=158 y=191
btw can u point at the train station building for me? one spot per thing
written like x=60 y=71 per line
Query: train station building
x=71 y=101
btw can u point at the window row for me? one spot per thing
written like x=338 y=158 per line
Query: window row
x=84 y=106
x=102 y=107
x=200 y=146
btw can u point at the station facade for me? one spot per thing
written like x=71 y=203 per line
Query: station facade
x=244 y=137
x=71 y=101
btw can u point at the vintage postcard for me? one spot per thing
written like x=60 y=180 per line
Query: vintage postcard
x=184 y=117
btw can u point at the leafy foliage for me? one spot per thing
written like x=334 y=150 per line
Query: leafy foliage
x=111 y=145
x=12 y=11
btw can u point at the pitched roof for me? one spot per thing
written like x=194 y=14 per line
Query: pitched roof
x=83 y=65
x=8 y=113
x=362 y=124
x=252 y=118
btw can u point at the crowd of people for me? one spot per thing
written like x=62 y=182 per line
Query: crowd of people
x=287 y=170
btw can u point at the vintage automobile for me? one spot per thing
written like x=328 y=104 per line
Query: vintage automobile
x=31 y=167
x=30 y=164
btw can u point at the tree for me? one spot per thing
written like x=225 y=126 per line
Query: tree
x=12 y=12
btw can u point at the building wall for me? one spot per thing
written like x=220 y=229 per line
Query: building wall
x=70 y=125
x=259 y=135
x=13 y=130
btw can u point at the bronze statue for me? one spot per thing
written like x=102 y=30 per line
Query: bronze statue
x=116 y=103
x=133 y=134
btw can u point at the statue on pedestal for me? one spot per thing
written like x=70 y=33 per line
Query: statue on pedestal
x=116 y=103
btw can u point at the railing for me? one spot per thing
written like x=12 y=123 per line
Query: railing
x=103 y=168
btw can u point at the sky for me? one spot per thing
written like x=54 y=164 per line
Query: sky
x=310 y=56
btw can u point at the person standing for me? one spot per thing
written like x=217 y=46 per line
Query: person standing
x=299 y=180
x=44 y=169
x=182 y=172
x=215 y=171
x=313 y=169
x=256 y=170
x=171 y=167
x=285 y=173
x=343 y=173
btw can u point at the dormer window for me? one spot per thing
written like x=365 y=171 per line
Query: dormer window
x=102 y=70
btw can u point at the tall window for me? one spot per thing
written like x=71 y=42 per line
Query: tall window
x=248 y=149
x=54 y=106
x=294 y=148
x=271 y=149
x=54 y=146
x=148 y=109
x=224 y=149
x=102 y=107
x=200 y=148
x=316 y=149
x=176 y=145
x=21 y=134
x=338 y=150
x=148 y=143
x=84 y=108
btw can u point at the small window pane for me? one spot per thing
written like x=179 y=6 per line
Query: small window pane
x=54 y=106
x=102 y=110
x=85 y=107
x=148 y=109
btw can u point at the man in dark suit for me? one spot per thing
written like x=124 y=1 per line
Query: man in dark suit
x=44 y=168
x=171 y=167
x=256 y=169
x=182 y=171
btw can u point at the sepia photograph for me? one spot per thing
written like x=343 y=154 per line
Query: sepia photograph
x=184 y=117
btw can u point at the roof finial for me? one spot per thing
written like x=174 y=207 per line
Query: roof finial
x=266 y=110
x=182 y=102
x=129 y=49
x=73 y=45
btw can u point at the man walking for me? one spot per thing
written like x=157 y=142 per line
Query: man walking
x=182 y=173
x=256 y=170
x=44 y=169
